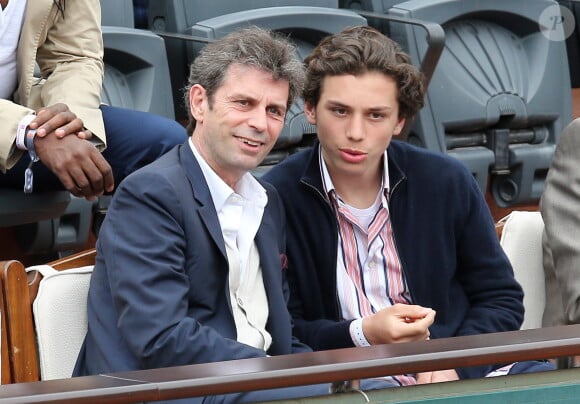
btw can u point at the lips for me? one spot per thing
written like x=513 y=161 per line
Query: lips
x=352 y=151
x=249 y=142
x=352 y=156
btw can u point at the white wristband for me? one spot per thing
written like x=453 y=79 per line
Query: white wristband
x=22 y=129
x=357 y=334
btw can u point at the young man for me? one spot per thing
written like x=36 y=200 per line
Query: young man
x=189 y=256
x=381 y=234
x=64 y=39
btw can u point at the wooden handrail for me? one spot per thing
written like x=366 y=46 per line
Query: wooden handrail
x=360 y=363
x=80 y=259
x=301 y=369
x=79 y=390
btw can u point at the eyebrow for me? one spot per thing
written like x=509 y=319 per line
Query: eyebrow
x=372 y=109
x=236 y=96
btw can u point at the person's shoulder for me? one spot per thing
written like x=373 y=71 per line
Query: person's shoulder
x=414 y=157
x=420 y=154
x=165 y=169
x=270 y=189
x=289 y=169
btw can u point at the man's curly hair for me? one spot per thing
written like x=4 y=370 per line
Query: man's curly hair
x=362 y=49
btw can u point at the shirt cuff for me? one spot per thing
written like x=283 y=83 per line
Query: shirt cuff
x=22 y=129
x=357 y=334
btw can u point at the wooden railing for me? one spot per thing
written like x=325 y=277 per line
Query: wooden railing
x=301 y=369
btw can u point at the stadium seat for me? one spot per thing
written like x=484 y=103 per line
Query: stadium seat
x=17 y=208
x=498 y=98
x=44 y=316
x=133 y=79
x=573 y=42
x=56 y=221
x=304 y=22
x=178 y=16
x=521 y=239
x=306 y=26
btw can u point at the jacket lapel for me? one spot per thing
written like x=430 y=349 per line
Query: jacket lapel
x=202 y=195
x=266 y=242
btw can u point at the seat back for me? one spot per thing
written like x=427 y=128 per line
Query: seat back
x=117 y=13
x=56 y=221
x=495 y=101
x=44 y=309
x=133 y=79
x=60 y=318
x=178 y=16
x=17 y=208
x=521 y=239
x=306 y=25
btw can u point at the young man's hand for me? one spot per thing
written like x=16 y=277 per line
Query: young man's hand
x=398 y=323
x=437 y=376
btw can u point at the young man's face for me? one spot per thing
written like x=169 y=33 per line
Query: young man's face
x=243 y=123
x=356 y=118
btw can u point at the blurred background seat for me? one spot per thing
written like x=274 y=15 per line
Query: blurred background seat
x=178 y=16
x=136 y=67
x=136 y=77
x=304 y=22
x=495 y=100
x=521 y=239
x=499 y=97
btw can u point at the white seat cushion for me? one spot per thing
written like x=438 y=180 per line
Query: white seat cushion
x=60 y=316
x=521 y=240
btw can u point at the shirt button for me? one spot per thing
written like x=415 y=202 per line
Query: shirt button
x=240 y=301
x=372 y=265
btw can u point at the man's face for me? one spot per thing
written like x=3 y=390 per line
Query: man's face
x=356 y=118
x=244 y=121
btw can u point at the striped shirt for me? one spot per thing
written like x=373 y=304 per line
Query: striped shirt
x=369 y=271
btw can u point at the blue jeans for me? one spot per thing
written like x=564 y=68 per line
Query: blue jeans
x=284 y=393
x=531 y=367
x=134 y=139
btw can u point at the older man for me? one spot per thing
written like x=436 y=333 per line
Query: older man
x=189 y=256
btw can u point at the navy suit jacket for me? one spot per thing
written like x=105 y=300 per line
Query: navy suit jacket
x=159 y=291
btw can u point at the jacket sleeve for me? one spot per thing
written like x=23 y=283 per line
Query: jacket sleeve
x=560 y=205
x=316 y=328
x=71 y=60
x=495 y=296
x=486 y=277
x=323 y=334
x=10 y=114
x=297 y=345
x=143 y=243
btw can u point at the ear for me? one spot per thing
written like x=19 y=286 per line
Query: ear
x=197 y=102
x=399 y=127
x=310 y=112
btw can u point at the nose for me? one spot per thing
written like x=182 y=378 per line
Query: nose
x=258 y=120
x=355 y=129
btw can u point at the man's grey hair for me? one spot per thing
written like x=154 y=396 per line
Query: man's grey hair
x=253 y=46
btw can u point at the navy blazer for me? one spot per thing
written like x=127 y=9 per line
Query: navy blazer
x=159 y=291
